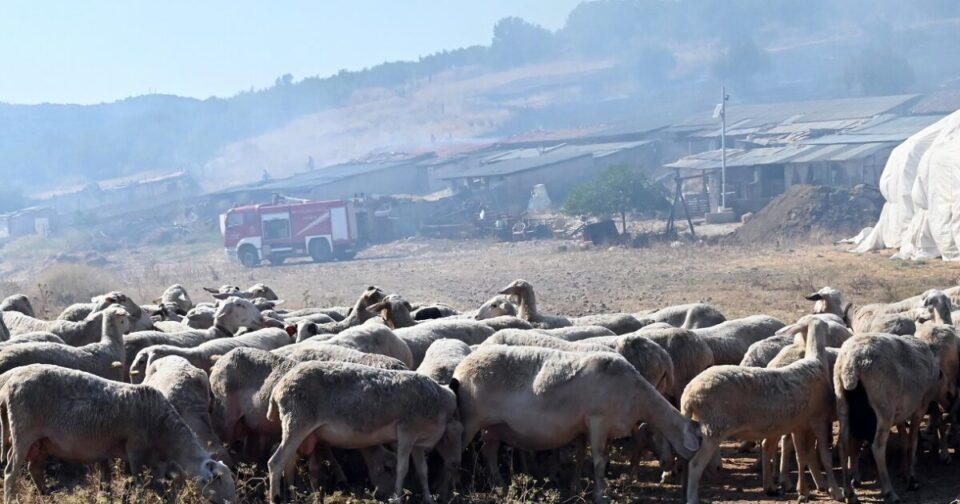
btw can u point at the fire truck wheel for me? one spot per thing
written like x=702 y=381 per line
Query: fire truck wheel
x=248 y=256
x=320 y=251
x=345 y=254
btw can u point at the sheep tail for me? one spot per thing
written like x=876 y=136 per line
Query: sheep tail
x=849 y=374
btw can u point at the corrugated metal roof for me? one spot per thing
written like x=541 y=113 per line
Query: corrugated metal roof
x=805 y=111
x=905 y=126
x=519 y=160
x=781 y=155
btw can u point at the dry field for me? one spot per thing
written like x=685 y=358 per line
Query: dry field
x=740 y=280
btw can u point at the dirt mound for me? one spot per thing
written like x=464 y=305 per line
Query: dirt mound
x=805 y=211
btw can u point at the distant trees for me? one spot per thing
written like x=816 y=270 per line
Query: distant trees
x=619 y=190
x=878 y=71
x=517 y=42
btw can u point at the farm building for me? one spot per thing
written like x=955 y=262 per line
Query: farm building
x=839 y=143
x=513 y=172
x=121 y=195
x=33 y=220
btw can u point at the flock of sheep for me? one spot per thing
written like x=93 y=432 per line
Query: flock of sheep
x=185 y=391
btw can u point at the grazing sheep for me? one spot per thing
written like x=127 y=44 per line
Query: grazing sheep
x=828 y=300
x=77 y=312
x=258 y=290
x=4 y=332
x=73 y=333
x=442 y=359
x=188 y=390
x=506 y=322
x=43 y=417
x=232 y=314
x=34 y=337
x=353 y=406
x=18 y=303
x=358 y=315
x=558 y=391
x=419 y=336
x=730 y=340
x=321 y=351
x=497 y=306
x=203 y=356
x=370 y=338
x=760 y=354
x=104 y=358
x=527 y=306
x=646 y=355
x=175 y=300
x=689 y=353
x=516 y=337
x=619 y=323
x=578 y=333
x=794 y=398
x=882 y=380
x=704 y=315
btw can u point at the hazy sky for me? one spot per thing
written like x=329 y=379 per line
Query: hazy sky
x=93 y=51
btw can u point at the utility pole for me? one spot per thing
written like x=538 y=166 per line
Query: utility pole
x=723 y=147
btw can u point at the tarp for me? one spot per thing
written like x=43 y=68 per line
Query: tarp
x=921 y=183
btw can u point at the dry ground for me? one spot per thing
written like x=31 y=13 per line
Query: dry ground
x=740 y=280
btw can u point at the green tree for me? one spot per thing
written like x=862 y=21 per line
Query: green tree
x=619 y=190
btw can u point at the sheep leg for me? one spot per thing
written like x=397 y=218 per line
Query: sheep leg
x=489 y=451
x=289 y=443
x=699 y=462
x=823 y=436
x=598 y=452
x=879 y=448
x=404 y=450
x=580 y=454
x=15 y=461
x=767 y=452
x=420 y=466
x=787 y=450
x=326 y=453
x=914 y=438
x=38 y=469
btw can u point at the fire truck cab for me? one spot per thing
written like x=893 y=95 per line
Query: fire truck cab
x=321 y=230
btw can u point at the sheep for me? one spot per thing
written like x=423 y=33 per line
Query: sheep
x=18 y=303
x=337 y=313
x=828 y=300
x=370 y=338
x=760 y=353
x=354 y=406
x=794 y=398
x=882 y=380
x=73 y=333
x=705 y=315
x=310 y=350
x=578 y=333
x=730 y=340
x=4 y=332
x=434 y=311
x=104 y=358
x=506 y=322
x=258 y=290
x=358 y=315
x=175 y=300
x=43 y=416
x=942 y=338
x=34 y=337
x=558 y=391
x=442 y=358
x=188 y=390
x=619 y=323
x=688 y=352
x=648 y=357
x=497 y=306
x=527 y=306
x=199 y=317
x=419 y=336
x=205 y=354
x=232 y=314
x=515 y=337
x=141 y=320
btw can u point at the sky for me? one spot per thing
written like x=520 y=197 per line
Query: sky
x=95 y=51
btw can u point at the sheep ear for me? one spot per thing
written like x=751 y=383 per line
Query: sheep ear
x=291 y=330
x=211 y=290
x=221 y=296
x=374 y=308
x=691 y=436
x=814 y=297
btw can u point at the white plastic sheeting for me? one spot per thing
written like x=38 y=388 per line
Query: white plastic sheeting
x=921 y=183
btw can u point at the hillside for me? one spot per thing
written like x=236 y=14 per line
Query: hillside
x=614 y=62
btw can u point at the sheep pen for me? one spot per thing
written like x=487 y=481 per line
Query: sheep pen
x=739 y=280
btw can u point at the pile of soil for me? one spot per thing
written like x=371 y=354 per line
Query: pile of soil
x=805 y=211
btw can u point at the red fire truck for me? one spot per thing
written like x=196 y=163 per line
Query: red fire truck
x=321 y=230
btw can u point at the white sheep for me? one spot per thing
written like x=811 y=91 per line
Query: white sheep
x=758 y=403
x=882 y=380
x=53 y=411
x=688 y=352
x=104 y=358
x=188 y=390
x=703 y=315
x=358 y=315
x=527 y=306
x=18 y=303
x=442 y=358
x=730 y=340
x=204 y=355
x=73 y=333
x=354 y=406
x=562 y=398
